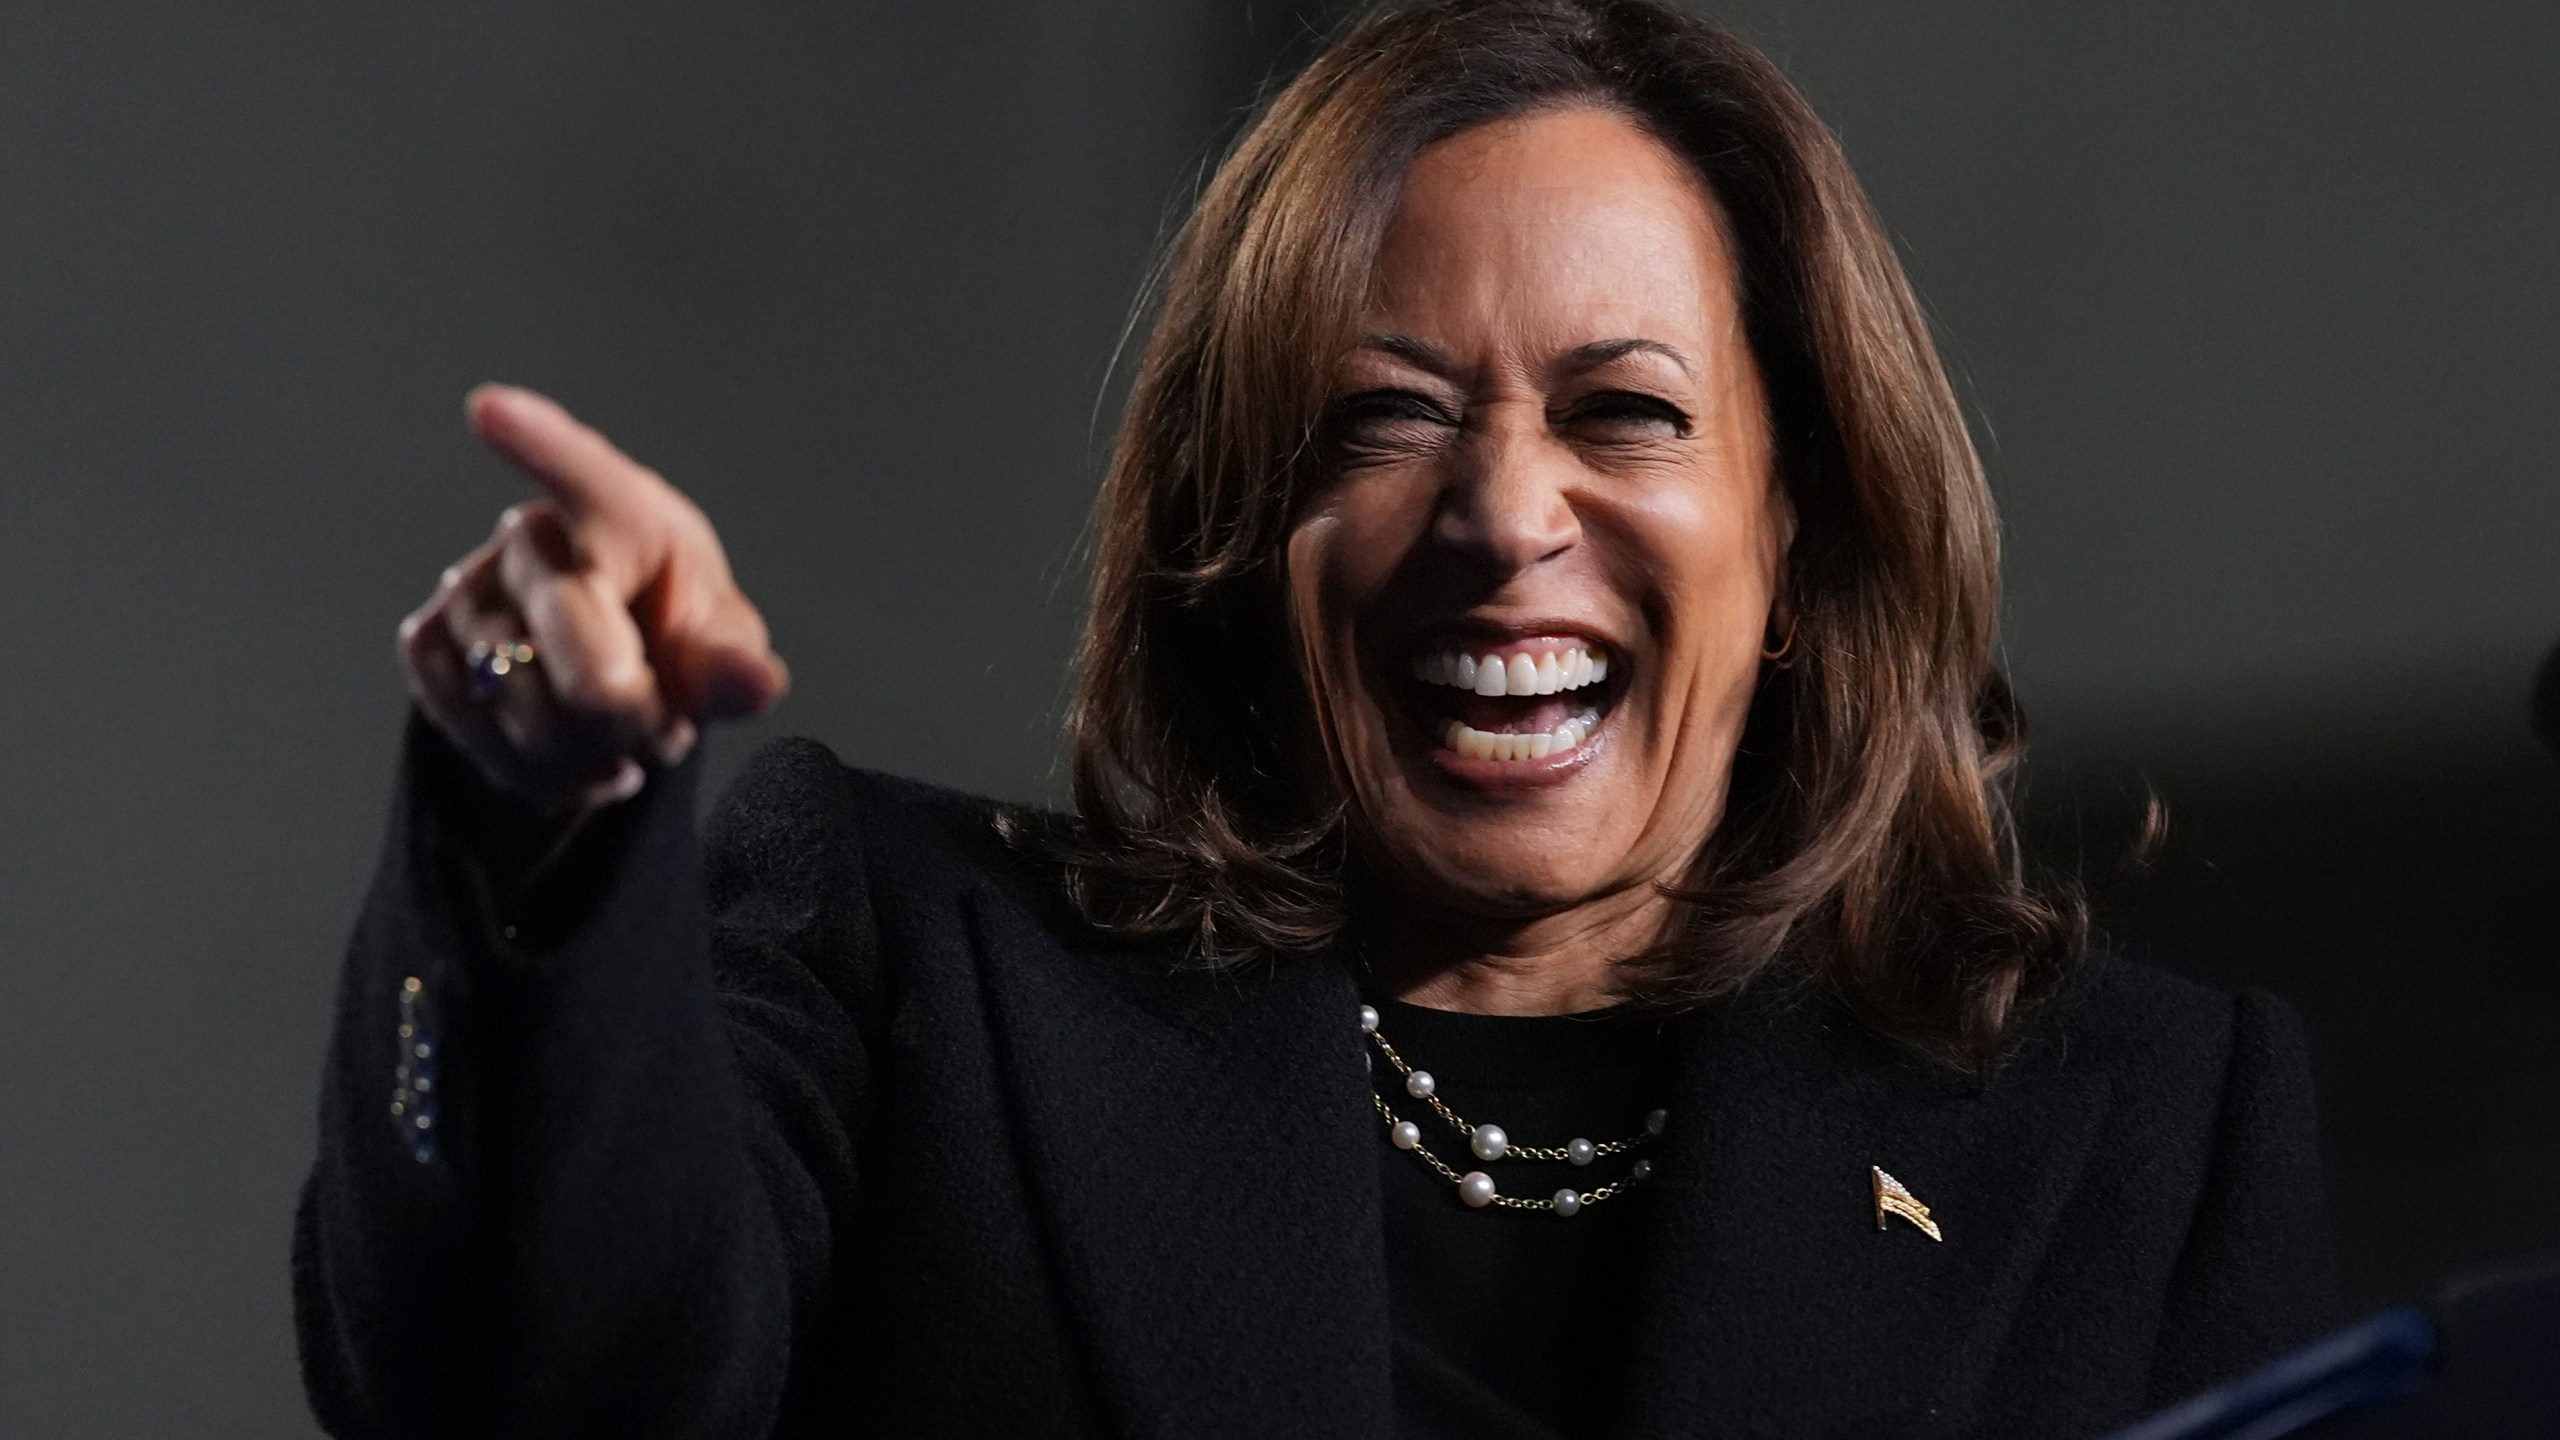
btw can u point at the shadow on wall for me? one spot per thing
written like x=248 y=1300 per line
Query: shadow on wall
x=2398 y=881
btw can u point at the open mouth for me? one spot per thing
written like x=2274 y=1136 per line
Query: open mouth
x=1519 y=702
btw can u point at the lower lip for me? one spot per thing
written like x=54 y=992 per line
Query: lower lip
x=1519 y=774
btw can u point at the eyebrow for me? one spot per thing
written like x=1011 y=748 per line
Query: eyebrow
x=1601 y=352
x=1431 y=358
x=1421 y=354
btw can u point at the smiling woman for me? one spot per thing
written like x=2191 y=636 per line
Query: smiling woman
x=1614 y=326
x=1543 y=613
x=1529 y=462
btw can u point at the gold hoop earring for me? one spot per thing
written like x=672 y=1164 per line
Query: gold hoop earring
x=1784 y=655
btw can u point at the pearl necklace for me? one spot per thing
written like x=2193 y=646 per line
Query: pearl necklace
x=1490 y=1143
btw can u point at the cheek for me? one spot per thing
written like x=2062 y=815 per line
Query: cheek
x=1701 y=559
x=1344 y=554
x=1363 y=526
x=1337 y=560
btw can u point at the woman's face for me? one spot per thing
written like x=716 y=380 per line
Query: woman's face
x=1531 y=599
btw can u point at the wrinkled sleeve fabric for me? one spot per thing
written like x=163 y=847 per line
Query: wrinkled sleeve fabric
x=2257 y=1275
x=649 y=1085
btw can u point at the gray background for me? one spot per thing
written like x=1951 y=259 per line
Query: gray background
x=2254 y=304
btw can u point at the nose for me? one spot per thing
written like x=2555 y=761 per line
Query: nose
x=1506 y=506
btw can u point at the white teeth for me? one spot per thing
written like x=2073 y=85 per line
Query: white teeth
x=1472 y=743
x=1521 y=673
x=1495 y=745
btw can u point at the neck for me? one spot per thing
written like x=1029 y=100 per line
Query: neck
x=1558 y=964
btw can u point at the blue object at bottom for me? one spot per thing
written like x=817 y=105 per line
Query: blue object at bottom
x=2382 y=1358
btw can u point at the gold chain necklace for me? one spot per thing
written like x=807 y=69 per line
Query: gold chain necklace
x=1491 y=1143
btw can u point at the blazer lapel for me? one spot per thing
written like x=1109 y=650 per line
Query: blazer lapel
x=1777 y=1307
x=1202 y=1148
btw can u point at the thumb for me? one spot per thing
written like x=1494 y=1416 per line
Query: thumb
x=724 y=668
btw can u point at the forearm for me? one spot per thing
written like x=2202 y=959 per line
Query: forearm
x=580 y=1239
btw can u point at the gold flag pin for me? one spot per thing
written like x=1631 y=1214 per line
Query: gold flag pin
x=1892 y=1199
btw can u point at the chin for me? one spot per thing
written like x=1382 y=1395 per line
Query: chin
x=1483 y=863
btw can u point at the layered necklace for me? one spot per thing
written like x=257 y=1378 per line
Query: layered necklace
x=1490 y=1143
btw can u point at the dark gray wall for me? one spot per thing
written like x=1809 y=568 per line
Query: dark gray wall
x=2254 y=307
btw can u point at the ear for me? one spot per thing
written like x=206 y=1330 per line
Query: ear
x=1778 y=631
x=1781 y=541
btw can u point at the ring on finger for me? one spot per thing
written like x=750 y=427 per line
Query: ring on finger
x=491 y=661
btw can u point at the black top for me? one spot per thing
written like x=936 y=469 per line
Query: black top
x=838 y=1122
x=1514 y=1324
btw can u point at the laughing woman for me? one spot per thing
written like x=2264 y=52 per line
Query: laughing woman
x=1538 y=951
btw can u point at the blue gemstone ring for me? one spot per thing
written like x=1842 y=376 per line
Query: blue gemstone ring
x=491 y=662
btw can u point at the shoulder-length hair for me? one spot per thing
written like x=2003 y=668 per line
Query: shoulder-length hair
x=1867 y=844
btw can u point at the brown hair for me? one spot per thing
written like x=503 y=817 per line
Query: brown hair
x=1868 y=838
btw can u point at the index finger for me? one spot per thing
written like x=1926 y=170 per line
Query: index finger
x=617 y=510
x=580 y=469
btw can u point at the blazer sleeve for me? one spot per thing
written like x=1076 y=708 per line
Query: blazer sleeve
x=2257 y=1275
x=585 y=1175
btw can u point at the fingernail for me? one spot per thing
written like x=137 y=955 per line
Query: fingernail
x=676 y=742
x=627 y=780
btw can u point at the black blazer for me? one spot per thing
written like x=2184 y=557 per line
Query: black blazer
x=840 y=1124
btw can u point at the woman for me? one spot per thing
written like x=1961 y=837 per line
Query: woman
x=1541 y=645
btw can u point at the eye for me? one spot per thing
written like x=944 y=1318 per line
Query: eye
x=1627 y=415
x=1388 y=421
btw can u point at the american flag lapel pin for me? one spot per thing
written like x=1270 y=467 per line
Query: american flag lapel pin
x=1893 y=1199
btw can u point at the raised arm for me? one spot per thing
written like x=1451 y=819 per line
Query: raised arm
x=573 y=1178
